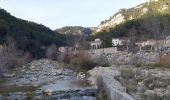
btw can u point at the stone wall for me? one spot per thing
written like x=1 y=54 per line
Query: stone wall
x=104 y=50
x=114 y=90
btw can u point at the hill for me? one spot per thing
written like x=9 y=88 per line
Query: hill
x=75 y=30
x=29 y=36
x=146 y=21
x=153 y=6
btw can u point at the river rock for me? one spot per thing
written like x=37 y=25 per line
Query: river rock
x=1 y=97
x=6 y=75
x=33 y=79
x=81 y=76
x=48 y=92
x=150 y=94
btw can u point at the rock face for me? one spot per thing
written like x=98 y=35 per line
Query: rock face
x=113 y=88
x=117 y=19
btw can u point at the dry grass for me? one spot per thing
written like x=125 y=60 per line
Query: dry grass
x=164 y=62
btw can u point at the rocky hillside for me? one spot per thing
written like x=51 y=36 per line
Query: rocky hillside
x=75 y=30
x=29 y=36
x=154 y=6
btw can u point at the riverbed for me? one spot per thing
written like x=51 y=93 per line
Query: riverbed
x=45 y=79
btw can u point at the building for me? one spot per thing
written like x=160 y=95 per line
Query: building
x=96 y=44
x=167 y=41
x=154 y=44
x=116 y=42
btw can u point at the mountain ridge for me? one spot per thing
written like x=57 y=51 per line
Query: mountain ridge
x=75 y=30
x=29 y=36
x=161 y=6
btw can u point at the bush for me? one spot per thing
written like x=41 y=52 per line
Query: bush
x=77 y=60
x=164 y=62
x=82 y=61
x=10 y=57
x=51 y=52
x=65 y=57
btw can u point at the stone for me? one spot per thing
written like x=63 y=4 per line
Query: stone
x=54 y=74
x=160 y=92
x=33 y=66
x=6 y=75
x=141 y=88
x=168 y=88
x=105 y=77
x=37 y=98
x=33 y=79
x=1 y=97
x=48 y=92
x=150 y=94
x=81 y=76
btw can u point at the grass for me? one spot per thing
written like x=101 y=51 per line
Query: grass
x=101 y=95
x=2 y=81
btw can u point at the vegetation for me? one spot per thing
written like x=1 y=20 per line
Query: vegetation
x=76 y=30
x=51 y=52
x=79 y=61
x=164 y=62
x=101 y=94
x=141 y=26
x=29 y=36
x=12 y=89
x=11 y=57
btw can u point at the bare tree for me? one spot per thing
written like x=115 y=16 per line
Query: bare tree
x=11 y=57
x=51 y=52
x=132 y=43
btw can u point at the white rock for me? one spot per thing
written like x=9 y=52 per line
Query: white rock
x=48 y=92
x=8 y=75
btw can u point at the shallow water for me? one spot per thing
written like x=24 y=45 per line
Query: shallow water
x=63 y=85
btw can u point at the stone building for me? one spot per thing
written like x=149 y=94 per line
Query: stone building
x=154 y=44
x=116 y=42
x=96 y=44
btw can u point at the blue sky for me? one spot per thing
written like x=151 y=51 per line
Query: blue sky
x=58 y=13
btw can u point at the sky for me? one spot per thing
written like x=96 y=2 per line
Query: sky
x=58 y=13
